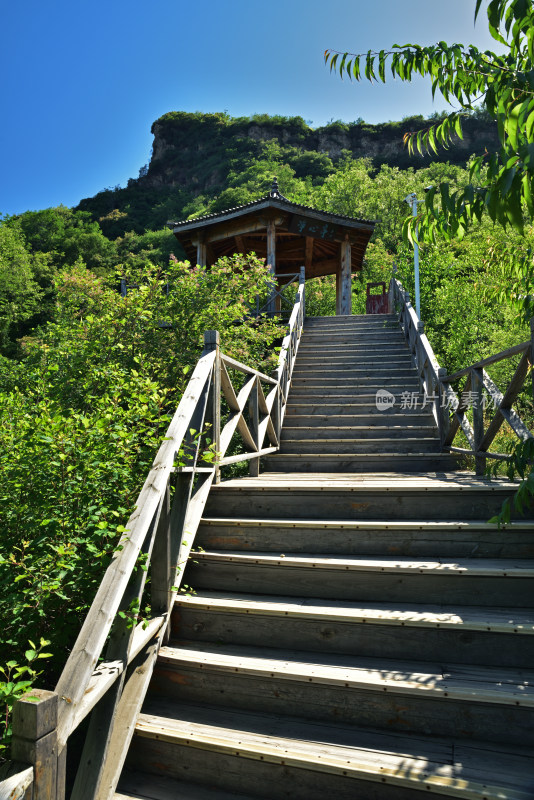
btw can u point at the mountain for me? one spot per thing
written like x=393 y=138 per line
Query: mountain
x=194 y=154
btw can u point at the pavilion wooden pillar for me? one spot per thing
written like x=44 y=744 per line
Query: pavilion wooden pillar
x=271 y=261
x=202 y=252
x=343 y=280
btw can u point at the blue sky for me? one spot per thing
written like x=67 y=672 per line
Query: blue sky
x=83 y=82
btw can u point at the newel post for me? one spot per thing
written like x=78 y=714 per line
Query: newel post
x=211 y=343
x=35 y=742
x=302 y=282
x=442 y=408
x=478 y=418
x=391 y=291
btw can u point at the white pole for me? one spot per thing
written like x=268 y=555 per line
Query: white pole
x=412 y=202
x=416 y=261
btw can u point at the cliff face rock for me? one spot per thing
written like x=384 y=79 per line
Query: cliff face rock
x=187 y=147
x=193 y=155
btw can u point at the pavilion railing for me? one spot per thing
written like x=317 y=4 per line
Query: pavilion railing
x=273 y=306
x=449 y=407
x=108 y=671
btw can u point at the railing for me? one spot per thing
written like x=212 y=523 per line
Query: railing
x=273 y=305
x=449 y=408
x=428 y=369
x=159 y=536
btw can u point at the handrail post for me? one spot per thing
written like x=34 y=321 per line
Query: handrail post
x=302 y=282
x=35 y=742
x=478 y=418
x=442 y=408
x=212 y=343
x=254 y=415
x=532 y=353
x=161 y=567
x=391 y=290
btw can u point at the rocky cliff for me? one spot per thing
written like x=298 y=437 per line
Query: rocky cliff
x=187 y=147
x=194 y=155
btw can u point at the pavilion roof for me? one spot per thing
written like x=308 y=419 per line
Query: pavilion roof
x=242 y=229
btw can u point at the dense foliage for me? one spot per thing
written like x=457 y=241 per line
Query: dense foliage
x=502 y=182
x=81 y=417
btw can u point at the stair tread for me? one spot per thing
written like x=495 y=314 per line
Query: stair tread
x=140 y=785
x=402 y=760
x=498 y=567
x=385 y=440
x=325 y=398
x=281 y=455
x=356 y=428
x=472 y=618
x=473 y=684
x=402 y=525
x=374 y=481
x=390 y=441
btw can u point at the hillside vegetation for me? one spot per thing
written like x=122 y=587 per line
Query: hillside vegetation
x=88 y=378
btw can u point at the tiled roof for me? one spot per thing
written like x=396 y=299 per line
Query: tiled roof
x=280 y=201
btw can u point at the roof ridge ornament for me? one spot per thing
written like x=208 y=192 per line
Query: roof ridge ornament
x=275 y=192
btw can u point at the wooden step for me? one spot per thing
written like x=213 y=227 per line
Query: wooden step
x=362 y=462
x=304 y=393
x=410 y=382
x=371 y=432
x=300 y=407
x=279 y=757
x=355 y=446
x=135 y=785
x=357 y=324
x=327 y=332
x=475 y=539
x=349 y=339
x=431 y=496
x=505 y=582
x=363 y=415
x=354 y=342
x=463 y=634
x=402 y=358
x=366 y=354
x=301 y=390
x=377 y=372
x=418 y=697
x=352 y=320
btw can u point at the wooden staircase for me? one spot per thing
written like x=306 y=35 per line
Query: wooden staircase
x=357 y=628
x=332 y=420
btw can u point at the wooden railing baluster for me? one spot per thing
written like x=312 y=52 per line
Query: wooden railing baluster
x=435 y=381
x=212 y=344
x=478 y=419
x=254 y=413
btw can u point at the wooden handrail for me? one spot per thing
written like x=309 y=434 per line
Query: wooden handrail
x=436 y=383
x=425 y=361
x=160 y=534
x=268 y=307
x=485 y=362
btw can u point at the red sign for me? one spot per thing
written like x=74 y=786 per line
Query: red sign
x=377 y=303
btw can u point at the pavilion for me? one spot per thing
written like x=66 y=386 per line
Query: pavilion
x=287 y=235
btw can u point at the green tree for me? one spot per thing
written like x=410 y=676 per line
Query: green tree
x=67 y=235
x=501 y=184
x=20 y=293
